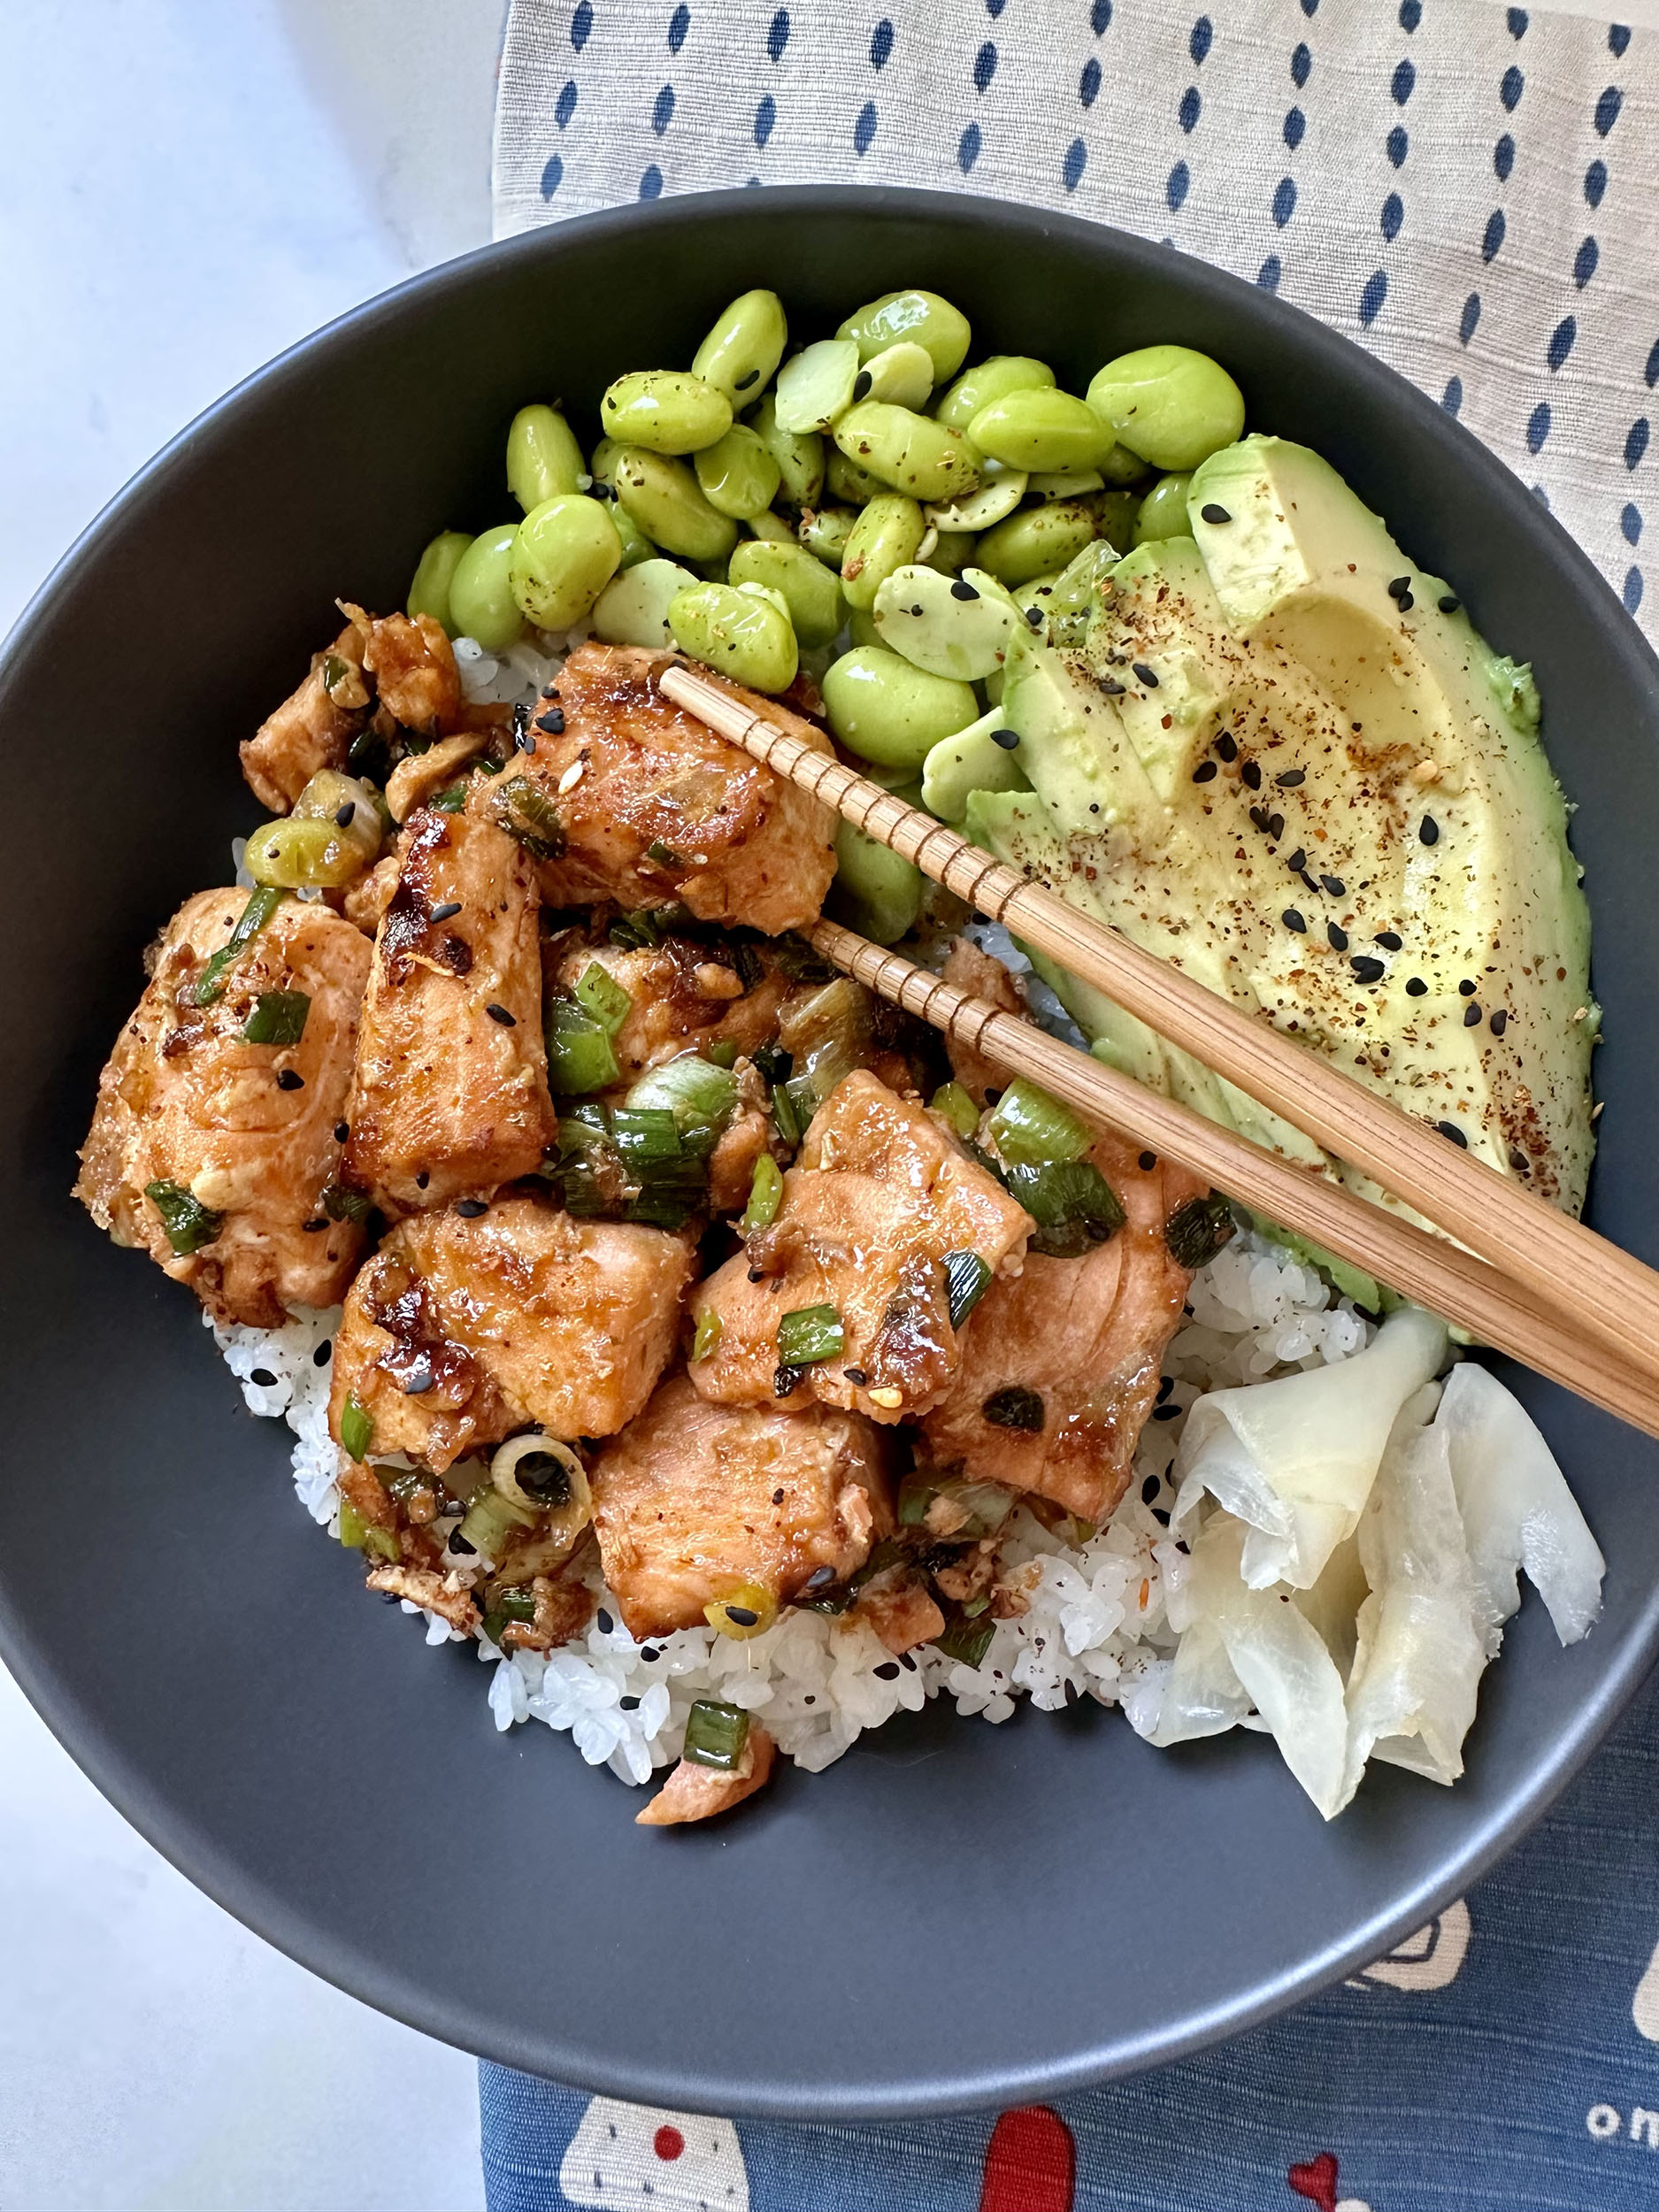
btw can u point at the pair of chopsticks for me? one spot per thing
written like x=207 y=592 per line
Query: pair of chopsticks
x=1534 y=1282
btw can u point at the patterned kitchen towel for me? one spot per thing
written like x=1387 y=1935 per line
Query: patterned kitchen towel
x=1502 y=2060
x=1470 y=191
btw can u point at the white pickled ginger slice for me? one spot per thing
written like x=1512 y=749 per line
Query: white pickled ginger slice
x=1294 y=1459
x=1518 y=1510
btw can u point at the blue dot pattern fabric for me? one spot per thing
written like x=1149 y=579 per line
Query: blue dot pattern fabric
x=1469 y=190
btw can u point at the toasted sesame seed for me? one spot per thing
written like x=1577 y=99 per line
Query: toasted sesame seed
x=1110 y=686
x=1500 y=1021
x=1147 y=676
x=1148 y=1161
x=1452 y=1133
x=1466 y=988
x=1297 y=861
x=552 y=721
x=1390 y=940
x=862 y=383
x=1033 y=615
x=263 y=1377
x=1417 y=988
x=1210 y=512
x=819 y=1578
x=1398 y=588
x=342 y=1130
x=1276 y=826
x=886 y=1397
x=1006 y=738
x=1251 y=773
x=571 y=776
x=1428 y=831
x=1206 y=772
x=1519 y=1160
x=743 y=1616
x=1227 y=747
x=1405 y=602
x=1292 y=920
x=290 y=1079
x=446 y=911
x=423 y=1179
x=316 y=1227
x=607 y=1626
x=342 y=815
x=469 y=1209
x=457 y=1543
x=1471 y=1016
x=962 y=589
x=1291 y=778
x=627 y=1704
x=1261 y=819
x=1150 y=1487
x=1334 y=884
x=1447 y=603
x=887 y=1671
x=324 y=1353
x=497 y=1012
x=1338 y=937
x=777 y=1497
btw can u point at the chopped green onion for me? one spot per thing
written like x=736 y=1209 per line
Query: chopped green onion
x=210 y=984
x=973 y=1607
x=802 y=962
x=1014 y=1407
x=1196 y=1232
x=340 y=1204
x=783 y=1111
x=278 y=1018
x=967 y=1644
x=335 y=668
x=579 y=1055
x=773 y=1062
x=527 y=814
x=515 y=1604
x=967 y=1278
x=189 y=1224
x=722 y=1053
x=809 y=1335
x=645 y=1136
x=451 y=800
x=1032 y=1129
x=634 y=932
x=490 y=1520
x=716 y=1734
x=603 y=997
x=357 y=1426
x=983 y=1506
x=1072 y=1202
x=402 y=1482
x=383 y=1540
x=706 y=1342
x=953 y=1101
x=696 y=1092
x=659 y=852
x=765 y=1195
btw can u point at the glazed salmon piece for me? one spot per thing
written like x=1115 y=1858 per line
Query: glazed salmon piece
x=629 y=798
x=1060 y=1367
x=879 y=1197
x=413 y=669
x=312 y=728
x=697 y=1793
x=240 y=1135
x=684 y=996
x=451 y=1094
x=693 y=1500
x=464 y=1327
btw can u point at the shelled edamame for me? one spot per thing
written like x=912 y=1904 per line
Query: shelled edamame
x=872 y=488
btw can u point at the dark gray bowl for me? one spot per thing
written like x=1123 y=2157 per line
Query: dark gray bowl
x=955 y=1915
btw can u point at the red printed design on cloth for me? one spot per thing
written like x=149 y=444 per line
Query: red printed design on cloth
x=1315 y=2179
x=1030 y=2163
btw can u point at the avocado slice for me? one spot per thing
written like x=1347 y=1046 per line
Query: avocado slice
x=1327 y=799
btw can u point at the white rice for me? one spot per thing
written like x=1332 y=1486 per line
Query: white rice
x=1095 y=1627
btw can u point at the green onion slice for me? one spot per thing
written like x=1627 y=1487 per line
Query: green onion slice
x=722 y=1053
x=663 y=855
x=646 y=1136
x=210 y=984
x=527 y=814
x=967 y=1278
x=1015 y=1407
x=706 y=1342
x=698 y=1094
x=766 y=1196
x=340 y=1204
x=958 y=1109
x=603 y=997
x=1072 y=1202
x=716 y=1734
x=1196 y=1232
x=809 y=1335
x=189 y=1224
x=783 y=1111
x=966 y=1641
x=357 y=1426
x=1031 y=1128
x=278 y=1018
x=579 y=1055
x=450 y=799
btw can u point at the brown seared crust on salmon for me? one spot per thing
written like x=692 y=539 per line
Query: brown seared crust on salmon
x=630 y=771
x=879 y=1195
x=685 y=995
x=247 y=1130
x=1087 y=1336
x=692 y=1500
x=697 y=1793
x=451 y=1093
x=409 y=658
x=311 y=729
x=464 y=1327
x=973 y=969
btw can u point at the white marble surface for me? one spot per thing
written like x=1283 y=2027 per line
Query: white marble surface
x=185 y=187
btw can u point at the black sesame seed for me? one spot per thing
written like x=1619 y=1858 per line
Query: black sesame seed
x=1259 y=818
x=1466 y=988
x=1227 y=747
x=1518 y=1161
x=1206 y=772
x=1417 y=988
x=1006 y=738
x=907 y=1662
x=887 y=1671
x=423 y=1179
x=1334 y=884
x=1166 y=1413
x=458 y=1543
x=777 y=1497
x=1210 y=512
x=1297 y=861
x=819 y=1578
x=607 y=1626
x=919 y=611
x=1276 y=826
x=1452 y=1133
x=1148 y=1161
x=1166 y=1383
x=962 y=589
x=857 y=1376
x=1405 y=602
x=1251 y=773
x=263 y=1377
x=649 y=1655
x=1447 y=604
x=469 y=1209
x=1292 y=920
x=498 y=1013
x=1366 y=969
x=743 y=1617
x=417 y=1381
x=1428 y=831
x=749 y=377
x=1159 y=1514
x=343 y=816
x=1291 y=778
x=757 y=1274
x=446 y=911
x=627 y=1704
x=1033 y=615
x=1110 y=686
x=324 y=1353
x=315 y=1228
x=1147 y=676
x=1500 y=1022
x=1471 y=1016
x=552 y=721
x=1389 y=940
x=1398 y=588
x=862 y=383
x=1150 y=1487
x=1338 y=937
x=1309 y=880
x=342 y=1130
x=784 y=1380
x=290 y=1079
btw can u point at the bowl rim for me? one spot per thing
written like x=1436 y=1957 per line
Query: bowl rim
x=454 y=2017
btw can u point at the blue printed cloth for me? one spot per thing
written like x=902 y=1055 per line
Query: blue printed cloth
x=1506 y=2059
x=1472 y=192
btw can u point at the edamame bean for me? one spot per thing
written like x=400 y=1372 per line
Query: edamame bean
x=861 y=629
x=876 y=891
x=1121 y=466
x=665 y=410
x=912 y=452
x=1077 y=592
x=429 y=593
x=884 y=710
x=303 y=856
x=565 y=553
x=816 y=384
x=798 y=453
x=1036 y=539
x=884 y=537
x=1162 y=512
x=902 y=374
x=825 y=531
x=482 y=602
x=543 y=458
x=603 y=467
x=743 y=349
x=633 y=609
x=666 y=499
x=999 y=494
x=921 y=317
x=1115 y=516
x=1169 y=404
x=1041 y=430
x=812 y=593
x=951 y=628
x=741 y=633
x=969 y=762
x=991 y=381
x=949 y=551
x=636 y=546
x=770 y=526
x=737 y=473
x=845 y=480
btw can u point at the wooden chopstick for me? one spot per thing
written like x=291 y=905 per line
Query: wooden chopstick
x=1598 y=1290
x=1448 y=1282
